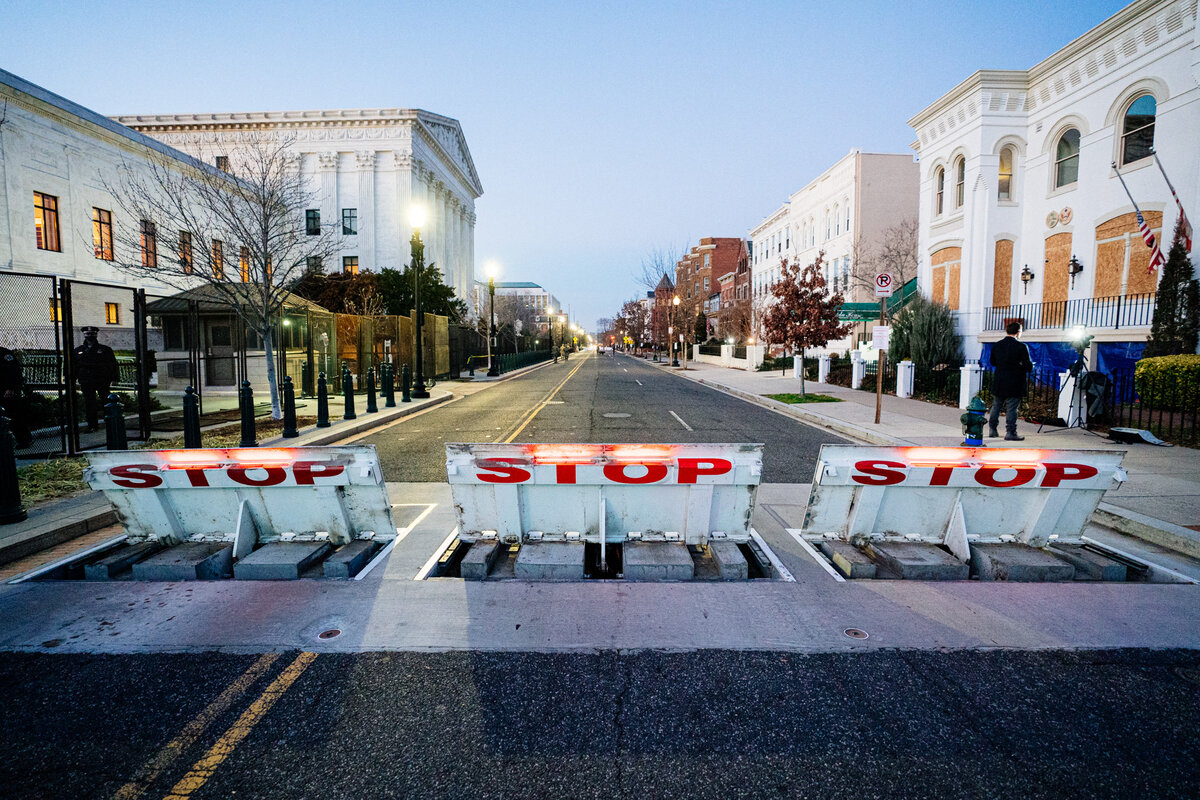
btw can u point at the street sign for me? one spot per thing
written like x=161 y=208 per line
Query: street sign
x=880 y=336
x=883 y=284
x=609 y=492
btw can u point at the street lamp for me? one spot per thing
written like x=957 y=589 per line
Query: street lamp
x=493 y=367
x=674 y=352
x=550 y=325
x=416 y=218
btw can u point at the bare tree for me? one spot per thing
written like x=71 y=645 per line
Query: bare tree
x=660 y=261
x=635 y=321
x=896 y=252
x=240 y=231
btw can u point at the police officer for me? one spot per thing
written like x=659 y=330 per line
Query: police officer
x=12 y=396
x=96 y=371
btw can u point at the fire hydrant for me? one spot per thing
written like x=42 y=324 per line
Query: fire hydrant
x=972 y=422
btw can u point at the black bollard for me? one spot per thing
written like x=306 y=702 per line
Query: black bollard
x=405 y=385
x=246 y=404
x=191 y=418
x=114 y=424
x=372 y=407
x=471 y=366
x=306 y=380
x=289 y=409
x=11 y=509
x=389 y=386
x=322 y=401
x=348 y=393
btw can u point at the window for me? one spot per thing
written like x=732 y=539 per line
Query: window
x=350 y=265
x=706 y=284
x=1006 y=173
x=1137 y=132
x=217 y=259
x=314 y=264
x=837 y=221
x=185 y=252
x=223 y=163
x=149 y=244
x=826 y=226
x=244 y=264
x=787 y=240
x=312 y=222
x=102 y=233
x=847 y=219
x=707 y=260
x=1066 y=159
x=349 y=221
x=960 y=182
x=112 y=313
x=939 y=182
x=45 y=222
x=55 y=310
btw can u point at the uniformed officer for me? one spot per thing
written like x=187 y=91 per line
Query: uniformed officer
x=12 y=396
x=96 y=370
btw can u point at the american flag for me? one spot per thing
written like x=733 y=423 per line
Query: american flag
x=1156 y=256
x=1185 y=226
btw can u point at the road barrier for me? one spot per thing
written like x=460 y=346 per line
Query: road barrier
x=246 y=496
x=957 y=496
x=614 y=493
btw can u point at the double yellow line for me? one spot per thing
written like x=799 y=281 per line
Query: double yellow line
x=528 y=416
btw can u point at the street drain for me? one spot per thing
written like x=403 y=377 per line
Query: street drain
x=855 y=633
x=329 y=634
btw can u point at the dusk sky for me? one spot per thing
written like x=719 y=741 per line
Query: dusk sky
x=600 y=131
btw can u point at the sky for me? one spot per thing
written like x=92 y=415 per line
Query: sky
x=601 y=131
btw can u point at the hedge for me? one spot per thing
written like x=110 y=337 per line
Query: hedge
x=1169 y=381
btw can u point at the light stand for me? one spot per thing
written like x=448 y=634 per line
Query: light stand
x=493 y=367
x=418 y=261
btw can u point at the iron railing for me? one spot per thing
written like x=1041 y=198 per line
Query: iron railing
x=710 y=349
x=1129 y=311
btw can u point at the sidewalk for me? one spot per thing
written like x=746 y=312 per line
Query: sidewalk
x=1163 y=485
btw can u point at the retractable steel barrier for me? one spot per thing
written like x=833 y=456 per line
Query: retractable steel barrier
x=958 y=495
x=246 y=496
x=612 y=493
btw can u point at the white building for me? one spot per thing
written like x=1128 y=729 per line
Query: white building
x=1016 y=178
x=367 y=166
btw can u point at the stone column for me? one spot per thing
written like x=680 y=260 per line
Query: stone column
x=404 y=199
x=905 y=376
x=970 y=379
x=858 y=369
x=365 y=162
x=327 y=164
x=823 y=368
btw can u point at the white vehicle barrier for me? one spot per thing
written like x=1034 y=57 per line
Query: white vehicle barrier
x=958 y=495
x=604 y=492
x=246 y=496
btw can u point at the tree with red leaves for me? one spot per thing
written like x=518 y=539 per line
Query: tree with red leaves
x=804 y=314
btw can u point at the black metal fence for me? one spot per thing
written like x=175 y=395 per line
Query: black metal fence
x=1129 y=311
x=710 y=349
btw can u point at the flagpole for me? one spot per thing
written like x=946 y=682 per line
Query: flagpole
x=1156 y=256
x=1128 y=194
x=1187 y=225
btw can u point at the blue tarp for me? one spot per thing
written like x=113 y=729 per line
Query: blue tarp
x=1047 y=357
x=1114 y=359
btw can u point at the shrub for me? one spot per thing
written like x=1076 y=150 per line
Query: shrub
x=1169 y=382
x=923 y=332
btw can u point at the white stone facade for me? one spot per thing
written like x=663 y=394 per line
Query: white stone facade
x=1017 y=191
x=376 y=162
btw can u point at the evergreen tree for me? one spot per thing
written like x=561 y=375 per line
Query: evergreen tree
x=700 y=329
x=1177 y=305
x=804 y=314
x=396 y=288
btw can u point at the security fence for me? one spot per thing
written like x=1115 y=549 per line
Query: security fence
x=1128 y=311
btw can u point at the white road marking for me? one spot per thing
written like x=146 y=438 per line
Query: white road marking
x=624 y=369
x=681 y=422
x=639 y=383
x=433 y=559
x=783 y=571
x=837 y=576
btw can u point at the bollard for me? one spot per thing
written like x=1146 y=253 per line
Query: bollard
x=471 y=366
x=405 y=385
x=348 y=394
x=246 y=404
x=114 y=424
x=11 y=509
x=191 y=418
x=306 y=380
x=289 y=409
x=322 y=401
x=372 y=407
x=389 y=385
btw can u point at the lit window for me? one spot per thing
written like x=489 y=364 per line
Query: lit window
x=45 y=221
x=350 y=265
x=349 y=221
x=217 y=259
x=55 y=310
x=185 y=252
x=1006 y=174
x=939 y=180
x=1137 y=134
x=102 y=233
x=960 y=182
x=244 y=264
x=1066 y=159
x=149 y=244
x=112 y=314
x=312 y=222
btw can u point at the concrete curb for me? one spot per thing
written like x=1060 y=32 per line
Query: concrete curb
x=1155 y=531
x=364 y=422
x=56 y=522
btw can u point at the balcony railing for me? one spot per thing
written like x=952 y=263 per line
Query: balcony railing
x=1121 y=311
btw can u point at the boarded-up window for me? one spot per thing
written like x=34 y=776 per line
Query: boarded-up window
x=1002 y=274
x=1122 y=257
x=1056 y=278
x=946 y=264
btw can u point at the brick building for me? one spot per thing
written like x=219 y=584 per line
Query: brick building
x=660 y=313
x=697 y=278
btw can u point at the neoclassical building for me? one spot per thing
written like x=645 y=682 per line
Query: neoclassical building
x=1022 y=215
x=367 y=166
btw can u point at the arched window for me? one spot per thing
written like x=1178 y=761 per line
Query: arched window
x=826 y=226
x=847 y=217
x=837 y=221
x=1137 y=131
x=939 y=182
x=1066 y=159
x=960 y=182
x=1006 y=174
x=812 y=231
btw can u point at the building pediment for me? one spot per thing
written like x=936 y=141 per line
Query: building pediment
x=446 y=134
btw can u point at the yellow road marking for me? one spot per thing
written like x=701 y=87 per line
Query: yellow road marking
x=192 y=731
x=533 y=412
x=216 y=755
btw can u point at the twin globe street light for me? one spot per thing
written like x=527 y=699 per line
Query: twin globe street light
x=493 y=367
x=416 y=219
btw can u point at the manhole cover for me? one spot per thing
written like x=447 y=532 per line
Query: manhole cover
x=855 y=633
x=616 y=416
x=1189 y=674
x=329 y=634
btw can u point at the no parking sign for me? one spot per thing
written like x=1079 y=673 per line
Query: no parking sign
x=883 y=284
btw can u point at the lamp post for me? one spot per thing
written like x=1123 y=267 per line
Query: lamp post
x=674 y=314
x=550 y=325
x=493 y=366
x=416 y=218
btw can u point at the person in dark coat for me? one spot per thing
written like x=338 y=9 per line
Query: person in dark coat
x=1010 y=358
x=96 y=370
x=12 y=396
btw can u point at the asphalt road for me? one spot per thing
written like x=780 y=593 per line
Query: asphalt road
x=609 y=399
x=642 y=725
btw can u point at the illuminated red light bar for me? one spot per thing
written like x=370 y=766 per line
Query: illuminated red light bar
x=246 y=458
x=566 y=454
x=641 y=454
x=955 y=456
x=1010 y=456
